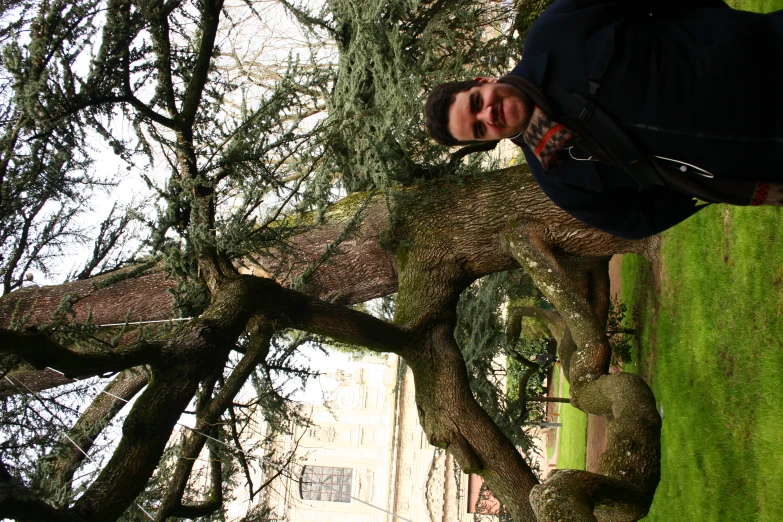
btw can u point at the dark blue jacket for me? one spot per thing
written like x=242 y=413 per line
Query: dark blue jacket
x=691 y=80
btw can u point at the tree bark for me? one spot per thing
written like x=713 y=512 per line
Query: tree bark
x=110 y=299
x=468 y=219
x=466 y=223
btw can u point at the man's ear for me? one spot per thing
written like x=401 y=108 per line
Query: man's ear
x=482 y=79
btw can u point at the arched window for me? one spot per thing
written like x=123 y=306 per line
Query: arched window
x=326 y=483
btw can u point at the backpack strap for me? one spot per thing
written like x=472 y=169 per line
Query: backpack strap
x=616 y=144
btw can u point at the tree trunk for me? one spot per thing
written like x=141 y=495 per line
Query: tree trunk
x=466 y=220
x=443 y=247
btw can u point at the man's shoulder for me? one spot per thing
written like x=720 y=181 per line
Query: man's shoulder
x=562 y=7
x=567 y=19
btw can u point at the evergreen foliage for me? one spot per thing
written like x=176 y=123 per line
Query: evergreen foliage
x=391 y=53
x=78 y=74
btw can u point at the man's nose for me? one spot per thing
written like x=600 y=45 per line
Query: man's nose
x=487 y=115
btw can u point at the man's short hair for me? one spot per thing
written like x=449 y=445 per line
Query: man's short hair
x=436 y=110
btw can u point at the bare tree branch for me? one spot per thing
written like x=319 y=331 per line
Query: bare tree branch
x=210 y=17
x=109 y=232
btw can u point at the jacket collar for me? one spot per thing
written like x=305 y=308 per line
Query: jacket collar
x=533 y=68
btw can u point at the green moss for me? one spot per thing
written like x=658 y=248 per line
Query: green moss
x=347 y=207
x=401 y=254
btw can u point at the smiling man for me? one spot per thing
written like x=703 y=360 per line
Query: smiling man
x=629 y=112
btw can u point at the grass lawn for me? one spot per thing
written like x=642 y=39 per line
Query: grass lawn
x=758 y=6
x=573 y=435
x=711 y=347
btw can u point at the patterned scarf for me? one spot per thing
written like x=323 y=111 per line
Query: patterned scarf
x=546 y=138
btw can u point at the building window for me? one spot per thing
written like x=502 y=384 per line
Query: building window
x=326 y=483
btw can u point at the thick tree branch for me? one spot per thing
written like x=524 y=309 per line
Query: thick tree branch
x=192 y=353
x=451 y=417
x=363 y=270
x=32 y=380
x=629 y=470
x=215 y=496
x=145 y=433
x=208 y=416
x=536 y=258
x=41 y=351
x=65 y=459
x=146 y=111
x=570 y=495
x=467 y=221
x=340 y=323
x=115 y=297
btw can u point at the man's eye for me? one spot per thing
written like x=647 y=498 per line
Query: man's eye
x=479 y=130
x=475 y=102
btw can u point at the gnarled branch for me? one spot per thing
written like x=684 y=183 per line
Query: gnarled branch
x=629 y=470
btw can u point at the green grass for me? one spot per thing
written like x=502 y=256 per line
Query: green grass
x=573 y=435
x=555 y=386
x=711 y=347
x=758 y=6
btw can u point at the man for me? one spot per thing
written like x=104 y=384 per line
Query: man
x=694 y=86
x=543 y=359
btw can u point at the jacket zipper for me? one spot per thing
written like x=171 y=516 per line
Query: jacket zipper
x=777 y=139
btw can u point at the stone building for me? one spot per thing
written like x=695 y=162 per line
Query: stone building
x=366 y=459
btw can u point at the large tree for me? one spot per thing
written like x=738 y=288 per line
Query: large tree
x=251 y=243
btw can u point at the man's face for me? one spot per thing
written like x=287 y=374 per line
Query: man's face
x=488 y=112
